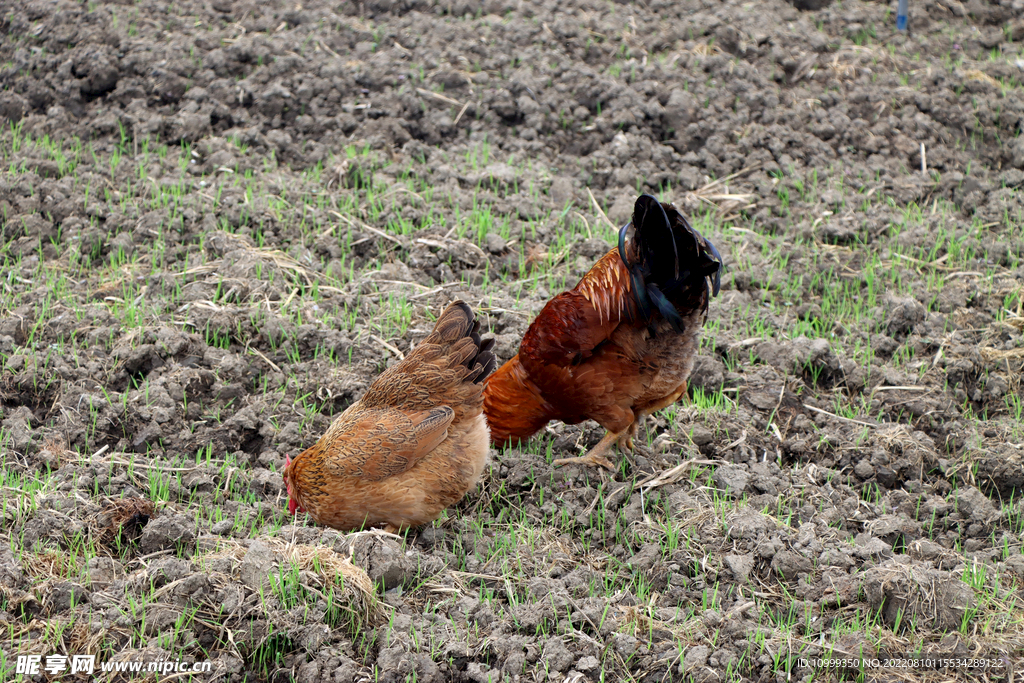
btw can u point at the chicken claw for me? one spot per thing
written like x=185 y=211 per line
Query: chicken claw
x=596 y=456
x=593 y=459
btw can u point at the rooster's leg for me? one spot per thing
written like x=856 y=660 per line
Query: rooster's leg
x=626 y=438
x=661 y=404
x=596 y=456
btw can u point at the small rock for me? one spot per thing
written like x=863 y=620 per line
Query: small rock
x=711 y=618
x=396 y=270
x=165 y=570
x=902 y=314
x=308 y=673
x=18 y=428
x=561 y=191
x=694 y=658
x=257 y=564
x=479 y=673
x=400 y=665
x=731 y=479
x=103 y=571
x=868 y=546
x=923 y=549
x=431 y=536
x=952 y=645
x=1017 y=30
x=853 y=647
x=836 y=558
x=645 y=559
x=681 y=502
x=13 y=106
x=863 y=469
x=385 y=562
x=701 y=436
x=622 y=209
x=815 y=355
x=680 y=110
x=498 y=174
x=159 y=618
x=708 y=375
x=223 y=527
x=495 y=243
x=167 y=531
x=348 y=671
x=810 y=5
x=741 y=565
x=64 y=595
x=556 y=655
x=146 y=437
x=885 y=476
x=625 y=645
x=790 y=565
x=266 y=482
x=748 y=524
x=914 y=592
x=976 y=505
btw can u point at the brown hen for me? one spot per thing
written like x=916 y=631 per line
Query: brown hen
x=618 y=346
x=413 y=445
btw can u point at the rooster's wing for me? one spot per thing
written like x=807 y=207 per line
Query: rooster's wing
x=576 y=353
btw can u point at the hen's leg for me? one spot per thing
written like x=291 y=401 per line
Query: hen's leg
x=597 y=455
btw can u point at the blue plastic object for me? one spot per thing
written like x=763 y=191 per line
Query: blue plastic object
x=901 y=15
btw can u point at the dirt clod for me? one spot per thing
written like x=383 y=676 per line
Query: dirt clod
x=907 y=593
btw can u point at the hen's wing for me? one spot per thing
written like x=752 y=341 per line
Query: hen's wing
x=379 y=443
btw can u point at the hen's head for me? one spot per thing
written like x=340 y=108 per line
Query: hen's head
x=293 y=504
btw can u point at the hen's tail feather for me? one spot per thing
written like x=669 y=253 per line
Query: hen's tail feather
x=456 y=323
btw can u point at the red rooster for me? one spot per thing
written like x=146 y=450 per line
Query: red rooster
x=617 y=347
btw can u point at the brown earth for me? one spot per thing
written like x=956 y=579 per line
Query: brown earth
x=221 y=220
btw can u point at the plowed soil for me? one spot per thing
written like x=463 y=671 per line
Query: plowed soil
x=219 y=221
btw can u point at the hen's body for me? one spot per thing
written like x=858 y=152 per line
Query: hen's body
x=414 y=444
x=618 y=346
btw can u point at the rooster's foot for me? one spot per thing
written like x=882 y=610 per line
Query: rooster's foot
x=593 y=459
x=596 y=456
x=625 y=440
